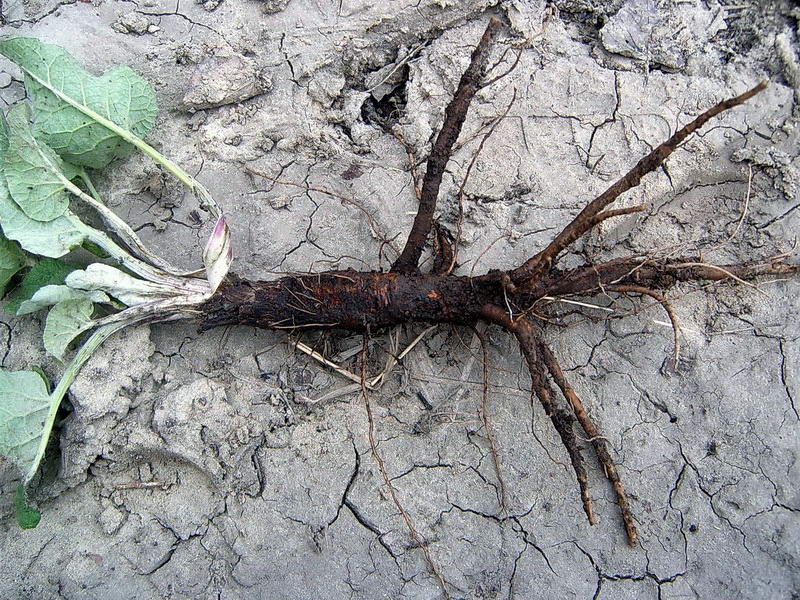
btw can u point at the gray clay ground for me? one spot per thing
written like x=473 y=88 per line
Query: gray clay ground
x=199 y=466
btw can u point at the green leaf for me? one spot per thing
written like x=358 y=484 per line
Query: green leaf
x=94 y=249
x=66 y=321
x=44 y=273
x=12 y=260
x=24 y=408
x=3 y=134
x=120 y=96
x=27 y=411
x=51 y=238
x=27 y=517
x=53 y=294
x=33 y=171
x=45 y=378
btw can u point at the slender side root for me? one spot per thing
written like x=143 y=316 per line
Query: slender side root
x=597 y=440
x=487 y=423
x=673 y=317
x=455 y=114
x=561 y=419
x=464 y=181
x=415 y=535
x=616 y=212
x=443 y=249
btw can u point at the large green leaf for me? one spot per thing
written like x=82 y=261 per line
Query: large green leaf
x=66 y=321
x=51 y=238
x=24 y=408
x=11 y=261
x=33 y=171
x=120 y=95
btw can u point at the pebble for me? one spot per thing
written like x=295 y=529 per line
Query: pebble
x=217 y=82
x=5 y=80
x=131 y=22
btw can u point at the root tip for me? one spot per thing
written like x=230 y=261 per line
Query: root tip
x=633 y=538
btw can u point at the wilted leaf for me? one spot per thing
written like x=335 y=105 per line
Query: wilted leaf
x=66 y=321
x=120 y=95
x=53 y=294
x=118 y=284
x=24 y=407
x=46 y=272
x=218 y=254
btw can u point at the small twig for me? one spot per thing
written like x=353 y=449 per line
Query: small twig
x=487 y=422
x=141 y=485
x=507 y=71
x=721 y=270
x=411 y=54
x=378 y=381
x=577 y=303
x=412 y=161
x=318 y=357
x=443 y=253
x=485 y=251
x=373 y=384
x=485 y=138
x=617 y=212
x=310 y=188
x=741 y=218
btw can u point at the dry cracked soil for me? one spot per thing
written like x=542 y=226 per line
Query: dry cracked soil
x=231 y=465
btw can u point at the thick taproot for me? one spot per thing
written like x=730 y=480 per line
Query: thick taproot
x=349 y=300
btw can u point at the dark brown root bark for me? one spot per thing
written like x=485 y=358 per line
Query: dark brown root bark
x=355 y=301
x=455 y=113
x=542 y=262
x=368 y=301
x=562 y=420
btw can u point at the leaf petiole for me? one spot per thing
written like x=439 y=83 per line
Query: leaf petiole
x=89 y=185
x=141 y=268
x=83 y=354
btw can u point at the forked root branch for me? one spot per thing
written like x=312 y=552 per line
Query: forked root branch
x=541 y=361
